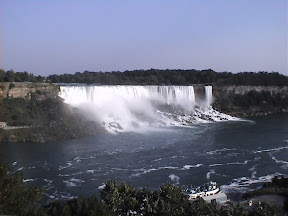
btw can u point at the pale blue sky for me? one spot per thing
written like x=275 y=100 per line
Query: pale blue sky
x=64 y=36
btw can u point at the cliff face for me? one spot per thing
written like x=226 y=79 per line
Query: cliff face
x=250 y=100
x=24 y=90
x=219 y=91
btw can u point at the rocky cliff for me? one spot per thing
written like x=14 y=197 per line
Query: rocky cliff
x=25 y=89
x=242 y=90
x=250 y=100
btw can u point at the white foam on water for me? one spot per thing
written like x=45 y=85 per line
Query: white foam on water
x=230 y=163
x=217 y=164
x=253 y=170
x=69 y=183
x=186 y=167
x=76 y=180
x=102 y=186
x=79 y=159
x=50 y=196
x=159 y=159
x=112 y=152
x=242 y=184
x=19 y=169
x=60 y=195
x=31 y=167
x=68 y=164
x=64 y=175
x=278 y=161
x=238 y=163
x=145 y=171
x=91 y=171
x=72 y=182
x=29 y=180
x=120 y=169
x=48 y=181
x=218 y=151
x=67 y=197
x=208 y=175
x=271 y=150
x=174 y=178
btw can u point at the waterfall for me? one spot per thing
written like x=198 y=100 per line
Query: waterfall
x=123 y=108
x=208 y=95
x=182 y=96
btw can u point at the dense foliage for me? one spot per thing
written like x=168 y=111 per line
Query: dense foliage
x=172 y=77
x=47 y=119
x=154 y=77
x=15 y=198
x=117 y=199
x=78 y=207
x=11 y=76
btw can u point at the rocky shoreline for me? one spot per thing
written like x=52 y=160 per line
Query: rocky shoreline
x=250 y=113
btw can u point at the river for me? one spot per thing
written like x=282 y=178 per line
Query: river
x=238 y=155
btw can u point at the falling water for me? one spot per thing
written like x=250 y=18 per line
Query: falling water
x=172 y=95
x=208 y=95
x=125 y=108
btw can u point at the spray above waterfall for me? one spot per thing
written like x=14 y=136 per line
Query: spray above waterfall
x=125 y=108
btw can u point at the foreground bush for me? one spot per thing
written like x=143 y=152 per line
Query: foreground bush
x=15 y=198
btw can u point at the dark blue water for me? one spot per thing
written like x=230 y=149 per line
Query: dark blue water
x=239 y=155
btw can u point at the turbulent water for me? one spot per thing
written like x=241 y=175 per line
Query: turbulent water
x=239 y=155
x=130 y=108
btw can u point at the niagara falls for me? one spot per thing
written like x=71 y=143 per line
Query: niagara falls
x=128 y=108
x=143 y=108
x=153 y=134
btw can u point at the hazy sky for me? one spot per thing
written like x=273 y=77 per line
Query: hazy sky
x=64 y=36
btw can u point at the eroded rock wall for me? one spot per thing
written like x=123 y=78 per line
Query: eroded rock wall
x=219 y=91
x=250 y=100
x=24 y=90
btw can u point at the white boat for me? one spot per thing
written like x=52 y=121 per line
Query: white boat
x=203 y=191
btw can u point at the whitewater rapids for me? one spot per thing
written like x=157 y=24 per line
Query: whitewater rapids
x=129 y=108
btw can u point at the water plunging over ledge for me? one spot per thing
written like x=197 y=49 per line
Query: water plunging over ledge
x=128 y=108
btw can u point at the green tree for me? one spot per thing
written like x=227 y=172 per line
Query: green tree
x=78 y=206
x=15 y=198
x=10 y=76
x=2 y=75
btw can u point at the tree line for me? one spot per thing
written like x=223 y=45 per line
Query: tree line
x=11 y=76
x=154 y=77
